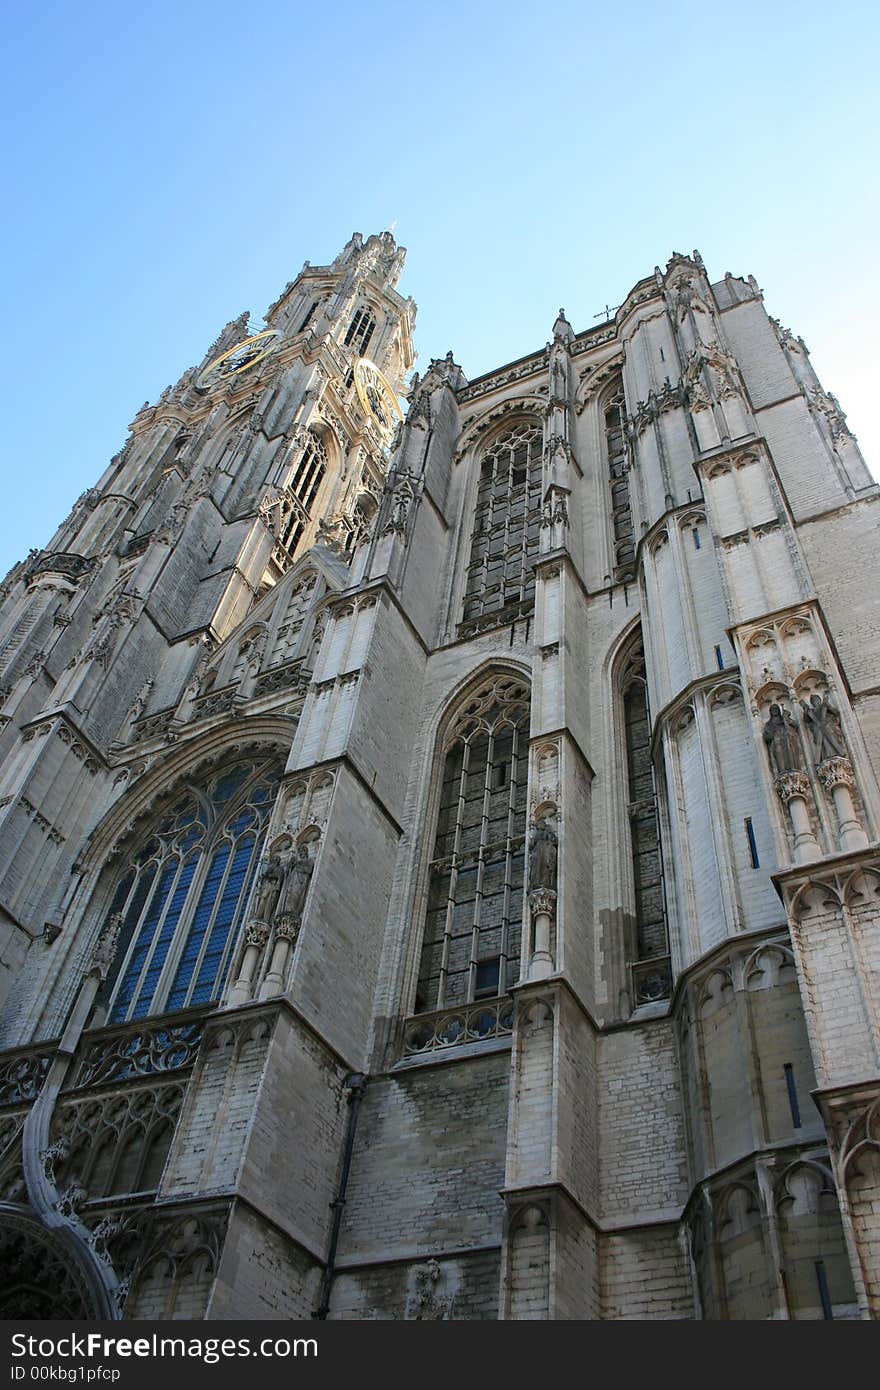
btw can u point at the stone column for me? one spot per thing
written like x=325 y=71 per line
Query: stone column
x=837 y=778
x=286 y=933
x=793 y=788
x=256 y=935
x=542 y=902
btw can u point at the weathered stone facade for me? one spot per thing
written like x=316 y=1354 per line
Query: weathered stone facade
x=439 y=863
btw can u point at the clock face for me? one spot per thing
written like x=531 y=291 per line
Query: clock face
x=375 y=395
x=239 y=359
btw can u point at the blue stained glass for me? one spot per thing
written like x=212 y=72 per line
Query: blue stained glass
x=215 y=913
x=166 y=935
x=142 y=945
x=191 y=837
x=120 y=896
x=232 y=892
x=187 y=965
x=227 y=786
x=131 y=921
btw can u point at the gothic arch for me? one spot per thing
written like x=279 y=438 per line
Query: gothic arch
x=484 y=429
x=593 y=381
x=500 y=530
x=635 y=812
x=43 y=1274
x=99 y=863
x=475 y=833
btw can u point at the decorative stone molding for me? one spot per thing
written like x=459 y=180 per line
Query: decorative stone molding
x=457 y=1027
x=287 y=927
x=789 y=784
x=256 y=934
x=543 y=900
x=104 y=951
x=836 y=772
x=138 y=1050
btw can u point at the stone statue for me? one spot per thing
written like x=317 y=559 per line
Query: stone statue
x=783 y=744
x=268 y=888
x=826 y=732
x=295 y=886
x=543 y=844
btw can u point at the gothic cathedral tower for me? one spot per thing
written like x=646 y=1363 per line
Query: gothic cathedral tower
x=439 y=857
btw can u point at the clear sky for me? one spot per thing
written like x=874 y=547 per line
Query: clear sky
x=169 y=165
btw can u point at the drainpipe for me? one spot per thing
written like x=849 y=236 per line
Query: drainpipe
x=355 y=1085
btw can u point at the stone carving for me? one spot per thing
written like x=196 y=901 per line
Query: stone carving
x=836 y=772
x=791 y=784
x=294 y=889
x=428 y=1304
x=57 y=1154
x=268 y=889
x=782 y=742
x=256 y=934
x=104 y=953
x=822 y=719
x=543 y=849
x=542 y=901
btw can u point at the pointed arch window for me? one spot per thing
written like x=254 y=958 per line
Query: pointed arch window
x=361 y=330
x=649 y=950
x=184 y=892
x=622 y=534
x=304 y=489
x=471 y=943
x=504 y=542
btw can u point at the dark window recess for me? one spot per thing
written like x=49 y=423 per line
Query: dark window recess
x=753 y=844
x=697 y=542
x=824 y=1294
x=651 y=938
x=305 y=486
x=792 y=1095
x=719 y=658
x=308 y=318
x=623 y=538
x=360 y=331
x=487 y=976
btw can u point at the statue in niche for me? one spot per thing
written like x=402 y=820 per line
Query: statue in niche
x=269 y=887
x=822 y=718
x=783 y=743
x=296 y=885
x=543 y=845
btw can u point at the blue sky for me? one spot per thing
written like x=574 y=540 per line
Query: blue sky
x=170 y=165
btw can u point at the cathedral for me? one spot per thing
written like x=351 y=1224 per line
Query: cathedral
x=440 y=832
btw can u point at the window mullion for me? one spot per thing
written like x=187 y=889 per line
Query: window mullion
x=157 y=934
x=240 y=906
x=481 y=869
x=177 y=946
x=161 y=866
x=508 y=865
x=453 y=879
x=215 y=908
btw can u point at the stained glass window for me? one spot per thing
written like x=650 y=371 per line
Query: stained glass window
x=651 y=933
x=504 y=543
x=471 y=945
x=621 y=507
x=184 y=893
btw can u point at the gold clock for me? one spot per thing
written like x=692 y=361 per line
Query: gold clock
x=375 y=395
x=239 y=359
